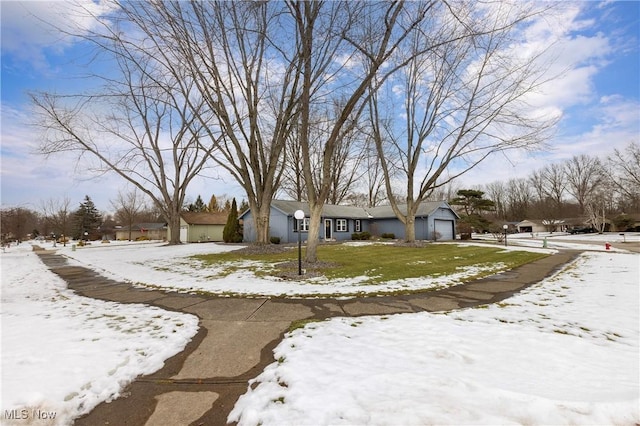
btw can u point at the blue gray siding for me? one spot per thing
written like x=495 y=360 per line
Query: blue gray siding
x=281 y=224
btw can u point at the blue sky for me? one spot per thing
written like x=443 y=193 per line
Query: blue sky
x=598 y=96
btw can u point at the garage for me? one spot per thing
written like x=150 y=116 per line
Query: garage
x=444 y=229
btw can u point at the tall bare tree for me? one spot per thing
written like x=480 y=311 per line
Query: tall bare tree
x=555 y=183
x=624 y=169
x=344 y=48
x=57 y=215
x=17 y=222
x=497 y=192
x=374 y=174
x=245 y=64
x=463 y=98
x=293 y=176
x=145 y=123
x=519 y=198
x=584 y=176
x=128 y=206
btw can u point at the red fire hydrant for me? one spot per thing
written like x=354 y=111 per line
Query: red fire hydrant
x=607 y=246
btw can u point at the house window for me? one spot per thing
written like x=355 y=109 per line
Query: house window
x=302 y=225
x=358 y=226
x=341 y=225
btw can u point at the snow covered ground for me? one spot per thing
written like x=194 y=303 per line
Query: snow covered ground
x=565 y=351
x=160 y=266
x=62 y=354
x=171 y=267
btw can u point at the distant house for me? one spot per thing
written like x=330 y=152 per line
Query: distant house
x=151 y=230
x=200 y=227
x=547 y=225
x=435 y=220
x=531 y=226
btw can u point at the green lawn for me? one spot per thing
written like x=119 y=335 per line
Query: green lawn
x=379 y=262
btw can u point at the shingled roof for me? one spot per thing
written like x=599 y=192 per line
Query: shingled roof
x=204 y=218
x=353 y=212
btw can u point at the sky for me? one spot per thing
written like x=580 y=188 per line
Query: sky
x=563 y=351
x=597 y=94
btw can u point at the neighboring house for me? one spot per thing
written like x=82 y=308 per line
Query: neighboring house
x=200 y=227
x=151 y=230
x=434 y=220
x=531 y=226
x=547 y=225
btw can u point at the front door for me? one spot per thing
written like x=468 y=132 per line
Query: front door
x=328 y=229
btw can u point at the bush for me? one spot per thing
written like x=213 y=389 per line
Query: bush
x=142 y=238
x=389 y=235
x=361 y=235
x=275 y=240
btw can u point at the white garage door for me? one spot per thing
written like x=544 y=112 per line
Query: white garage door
x=444 y=228
x=184 y=234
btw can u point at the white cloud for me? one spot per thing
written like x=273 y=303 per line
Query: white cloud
x=30 y=28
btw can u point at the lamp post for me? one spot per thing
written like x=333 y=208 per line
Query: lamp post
x=505 y=227
x=299 y=215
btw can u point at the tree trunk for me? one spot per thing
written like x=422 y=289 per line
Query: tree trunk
x=174 y=225
x=313 y=236
x=261 y=216
x=262 y=225
x=410 y=229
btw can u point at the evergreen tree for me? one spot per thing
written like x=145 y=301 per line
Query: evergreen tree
x=199 y=205
x=243 y=206
x=87 y=219
x=231 y=232
x=472 y=202
x=213 y=205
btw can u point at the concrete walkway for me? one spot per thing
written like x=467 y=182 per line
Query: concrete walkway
x=200 y=385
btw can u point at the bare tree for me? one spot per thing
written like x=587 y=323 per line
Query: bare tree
x=145 y=123
x=16 y=222
x=57 y=215
x=373 y=174
x=497 y=192
x=584 y=176
x=538 y=184
x=595 y=209
x=128 y=207
x=463 y=96
x=348 y=155
x=245 y=64
x=519 y=198
x=624 y=169
x=363 y=36
x=555 y=183
x=292 y=177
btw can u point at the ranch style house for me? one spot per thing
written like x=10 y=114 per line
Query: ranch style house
x=435 y=220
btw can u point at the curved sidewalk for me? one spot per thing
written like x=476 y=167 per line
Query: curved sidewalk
x=237 y=336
